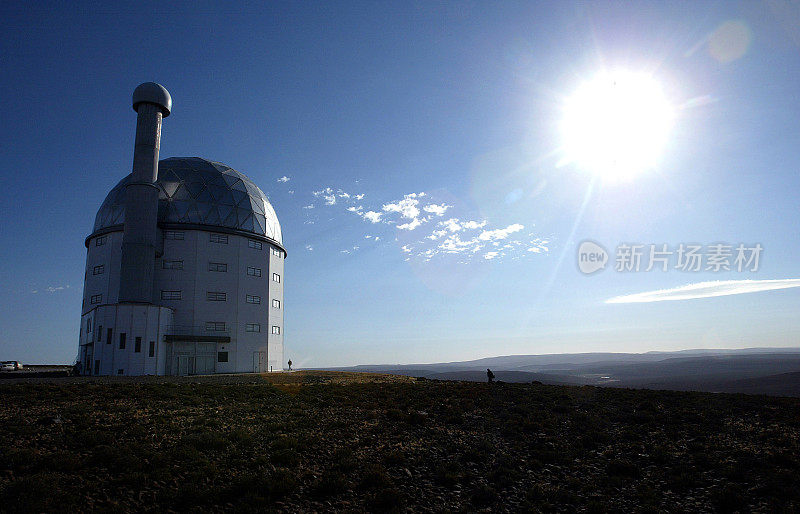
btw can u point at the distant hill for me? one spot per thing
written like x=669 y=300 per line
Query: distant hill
x=773 y=371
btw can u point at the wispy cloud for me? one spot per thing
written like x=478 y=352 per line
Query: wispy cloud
x=51 y=289
x=309 y=248
x=707 y=290
x=284 y=179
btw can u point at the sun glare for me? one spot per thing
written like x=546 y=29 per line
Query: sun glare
x=616 y=125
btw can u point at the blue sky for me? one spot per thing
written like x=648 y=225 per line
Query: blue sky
x=457 y=104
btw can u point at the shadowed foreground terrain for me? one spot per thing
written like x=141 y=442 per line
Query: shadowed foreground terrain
x=312 y=441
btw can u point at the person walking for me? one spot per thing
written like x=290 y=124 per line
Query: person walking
x=489 y=375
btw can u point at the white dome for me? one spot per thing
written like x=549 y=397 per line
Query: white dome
x=196 y=191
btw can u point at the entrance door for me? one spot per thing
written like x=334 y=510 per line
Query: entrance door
x=259 y=362
x=183 y=365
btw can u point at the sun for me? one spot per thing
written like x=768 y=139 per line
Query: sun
x=616 y=125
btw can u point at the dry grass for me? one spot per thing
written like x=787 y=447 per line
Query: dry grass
x=317 y=441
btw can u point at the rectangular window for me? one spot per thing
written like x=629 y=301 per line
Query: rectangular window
x=109 y=333
x=98 y=270
x=218 y=238
x=97 y=367
x=100 y=241
x=254 y=272
x=122 y=337
x=119 y=371
x=254 y=244
x=222 y=356
x=276 y=277
x=172 y=264
x=171 y=234
x=276 y=329
x=95 y=299
x=276 y=252
x=215 y=326
x=252 y=327
x=100 y=333
x=217 y=266
x=152 y=349
x=276 y=303
x=171 y=295
x=214 y=296
x=89 y=326
x=137 y=346
x=251 y=298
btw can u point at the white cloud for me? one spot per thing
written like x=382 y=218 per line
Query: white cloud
x=436 y=234
x=707 y=290
x=329 y=199
x=51 y=289
x=490 y=255
x=500 y=233
x=309 y=248
x=406 y=248
x=309 y=206
x=407 y=207
x=474 y=224
x=291 y=191
x=438 y=210
x=411 y=225
x=359 y=197
x=372 y=216
x=284 y=179
x=354 y=209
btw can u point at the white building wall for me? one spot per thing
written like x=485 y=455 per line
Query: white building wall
x=277 y=359
x=247 y=351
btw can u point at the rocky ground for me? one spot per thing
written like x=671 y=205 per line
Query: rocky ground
x=323 y=441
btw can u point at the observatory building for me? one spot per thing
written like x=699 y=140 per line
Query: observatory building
x=184 y=266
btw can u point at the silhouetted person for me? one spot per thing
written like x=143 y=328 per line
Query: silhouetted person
x=290 y=364
x=76 y=369
x=489 y=375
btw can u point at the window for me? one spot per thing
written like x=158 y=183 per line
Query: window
x=276 y=277
x=213 y=296
x=120 y=371
x=100 y=241
x=171 y=295
x=254 y=244
x=98 y=270
x=137 y=346
x=252 y=298
x=122 y=337
x=276 y=303
x=100 y=333
x=95 y=299
x=109 y=333
x=222 y=356
x=171 y=234
x=217 y=266
x=254 y=272
x=215 y=326
x=97 y=367
x=276 y=329
x=218 y=238
x=152 y=350
x=172 y=265
x=276 y=252
x=252 y=327
x=89 y=326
